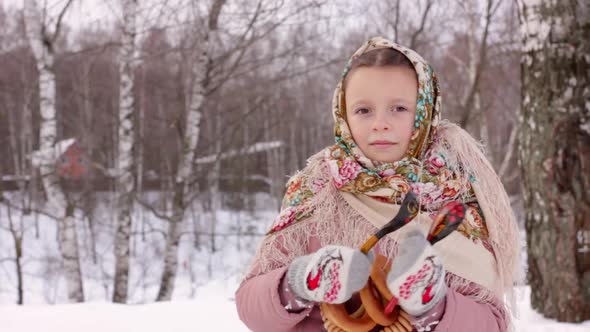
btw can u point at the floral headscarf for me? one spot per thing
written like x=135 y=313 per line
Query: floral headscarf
x=423 y=169
x=428 y=104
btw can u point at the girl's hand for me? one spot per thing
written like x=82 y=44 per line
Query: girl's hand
x=331 y=275
x=417 y=277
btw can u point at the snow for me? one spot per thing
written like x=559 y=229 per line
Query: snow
x=203 y=299
x=213 y=309
x=531 y=321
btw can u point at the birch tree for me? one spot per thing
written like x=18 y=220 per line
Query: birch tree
x=42 y=42
x=199 y=77
x=555 y=155
x=126 y=143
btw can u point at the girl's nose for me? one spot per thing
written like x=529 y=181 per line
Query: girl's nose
x=380 y=122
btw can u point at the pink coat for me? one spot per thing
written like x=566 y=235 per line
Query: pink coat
x=258 y=300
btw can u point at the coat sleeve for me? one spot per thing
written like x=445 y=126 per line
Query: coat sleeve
x=258 y=301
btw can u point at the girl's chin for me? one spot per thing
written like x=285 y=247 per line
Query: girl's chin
x=389 y=161
x=383 y=154
x=384 y=158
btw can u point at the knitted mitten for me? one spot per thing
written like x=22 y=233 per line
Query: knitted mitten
x=331 y=274
x=417 y=277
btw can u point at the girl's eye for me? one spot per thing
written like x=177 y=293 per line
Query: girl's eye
x=400 y=109
x=361 y=111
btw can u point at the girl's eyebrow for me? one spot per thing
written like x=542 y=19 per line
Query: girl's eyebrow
x=356 y=102
x=400 y=100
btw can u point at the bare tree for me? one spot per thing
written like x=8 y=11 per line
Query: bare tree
x=126 y=143
x=555 y=154
x=200 y=80
x=43 y=43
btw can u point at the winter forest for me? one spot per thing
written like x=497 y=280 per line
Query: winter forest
x=146 y=144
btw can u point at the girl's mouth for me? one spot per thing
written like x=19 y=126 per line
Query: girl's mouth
x=382 y=143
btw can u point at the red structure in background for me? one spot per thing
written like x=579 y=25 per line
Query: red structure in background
x=70 y=164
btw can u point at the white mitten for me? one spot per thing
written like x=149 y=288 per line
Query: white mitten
x=331 y=274
x=417 y=277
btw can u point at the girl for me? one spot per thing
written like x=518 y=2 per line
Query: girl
x=389 y=141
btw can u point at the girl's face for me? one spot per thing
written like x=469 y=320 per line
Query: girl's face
x=380 y=110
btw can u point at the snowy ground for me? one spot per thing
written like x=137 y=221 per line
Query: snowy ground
x=205 y=285
x=213 y=310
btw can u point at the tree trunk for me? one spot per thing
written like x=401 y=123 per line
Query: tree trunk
x=140 y=217
x=126 y=142
x=42 y=45
x=18 y=246
x=70 y=252
x=214 y=183
x=88 y=142
x=27 y=147
x=17 y=237
x=173 y=238
x=555 y=155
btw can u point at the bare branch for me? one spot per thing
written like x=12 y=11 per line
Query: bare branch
x=214 y=14
x=417 y=33
x=39 y=211
x=238 y=43
x=468 y=102
x=396 y=22
x=59 y=20
x=262 y=35
x=153 y=210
